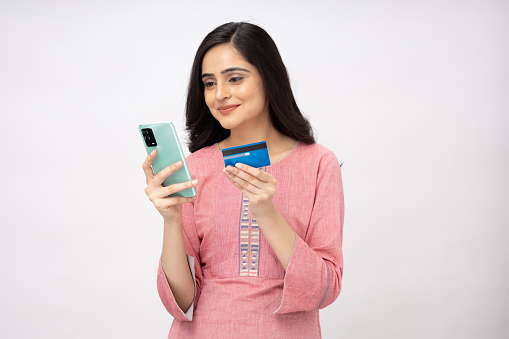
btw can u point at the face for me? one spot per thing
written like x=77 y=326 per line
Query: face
x=234 y=89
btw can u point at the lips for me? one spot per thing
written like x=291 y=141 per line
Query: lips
x=226 y=108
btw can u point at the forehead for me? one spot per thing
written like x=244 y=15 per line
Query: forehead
x=221 y=57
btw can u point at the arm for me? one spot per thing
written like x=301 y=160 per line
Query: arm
x=279 y=235
x=175 y=265
x=179 y=274
x=259 y=187
x=314 y=264
x=178 y=287
x=313 y=276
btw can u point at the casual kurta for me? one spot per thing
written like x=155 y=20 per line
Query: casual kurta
x=241 y=288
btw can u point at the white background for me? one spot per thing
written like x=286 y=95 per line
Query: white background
x=411 y=95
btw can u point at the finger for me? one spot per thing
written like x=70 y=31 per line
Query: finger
x=179 y=200
x=160 y=192
x=256 y=172
x=166 y=172
x=179 y=187
x=165 y=203
x=243 y=185
x=253 y=180
x=147 y=166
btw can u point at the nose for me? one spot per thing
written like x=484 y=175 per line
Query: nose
x=222 y=91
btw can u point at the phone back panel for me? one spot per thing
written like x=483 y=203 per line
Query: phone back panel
x=169 y=151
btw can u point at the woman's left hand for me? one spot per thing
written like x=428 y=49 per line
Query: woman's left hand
x=258 y=186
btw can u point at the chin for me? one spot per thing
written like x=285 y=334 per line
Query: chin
x=227 y=124
x=228 y=127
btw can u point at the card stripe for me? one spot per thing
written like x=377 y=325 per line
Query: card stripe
x=244 y=149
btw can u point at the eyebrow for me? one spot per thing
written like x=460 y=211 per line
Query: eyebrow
x=231 y=69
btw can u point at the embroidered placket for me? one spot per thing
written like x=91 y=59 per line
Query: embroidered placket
x=249 y=233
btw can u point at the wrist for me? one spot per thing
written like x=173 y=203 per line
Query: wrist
x=172 y=222
x=267 y=215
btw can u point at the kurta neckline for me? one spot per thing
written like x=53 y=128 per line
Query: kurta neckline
x=277 y=162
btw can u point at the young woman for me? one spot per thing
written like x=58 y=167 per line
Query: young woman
x=257 y=252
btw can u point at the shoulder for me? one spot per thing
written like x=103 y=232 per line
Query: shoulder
x=326 y=168
x=204 y=159
x=203 y=154
x=323 y=157
x=315 y=149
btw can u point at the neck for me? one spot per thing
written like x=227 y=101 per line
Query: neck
x=278 y=144
x=258 y=130
x=255 y=130
x=237 y=139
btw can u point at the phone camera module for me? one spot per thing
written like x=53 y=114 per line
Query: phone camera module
x=148 y=135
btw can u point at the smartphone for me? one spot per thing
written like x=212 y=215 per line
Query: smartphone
x=163 y=138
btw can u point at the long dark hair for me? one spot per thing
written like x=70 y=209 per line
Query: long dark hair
x=256 y=47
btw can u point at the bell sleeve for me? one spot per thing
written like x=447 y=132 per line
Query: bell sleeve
x=192 y=245
x=313 y=275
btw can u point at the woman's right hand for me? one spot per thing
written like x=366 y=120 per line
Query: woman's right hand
x=169 y=207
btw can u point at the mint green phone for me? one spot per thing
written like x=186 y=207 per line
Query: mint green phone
x=163 y=138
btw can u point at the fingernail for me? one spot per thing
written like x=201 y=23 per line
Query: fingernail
x=194 y=182
x=238 y=165
x=179 y=163
x=229 y=168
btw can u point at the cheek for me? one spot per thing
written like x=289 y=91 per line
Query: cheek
x=254 y=96
x=209 y=98
x=261 y=97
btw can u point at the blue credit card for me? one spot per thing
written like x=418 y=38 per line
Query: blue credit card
x=254 y=155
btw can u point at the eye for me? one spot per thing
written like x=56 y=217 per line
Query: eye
x=236 y=79
x=209 y=84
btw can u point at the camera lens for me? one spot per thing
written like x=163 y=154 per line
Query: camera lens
x=149 y=137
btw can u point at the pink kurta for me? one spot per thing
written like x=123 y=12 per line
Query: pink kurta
x=242 y=290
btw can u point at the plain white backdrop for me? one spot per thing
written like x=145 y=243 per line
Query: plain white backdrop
x=413 y=96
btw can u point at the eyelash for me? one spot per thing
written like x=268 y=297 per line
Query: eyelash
x=209 y=84
x=236 y=79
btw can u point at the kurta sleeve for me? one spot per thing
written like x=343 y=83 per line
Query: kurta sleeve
x=192 y=244
x=313 y=276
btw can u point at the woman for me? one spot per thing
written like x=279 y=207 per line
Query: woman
x=258 y=251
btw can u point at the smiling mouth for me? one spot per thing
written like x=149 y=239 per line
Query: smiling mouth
x=227 y=108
